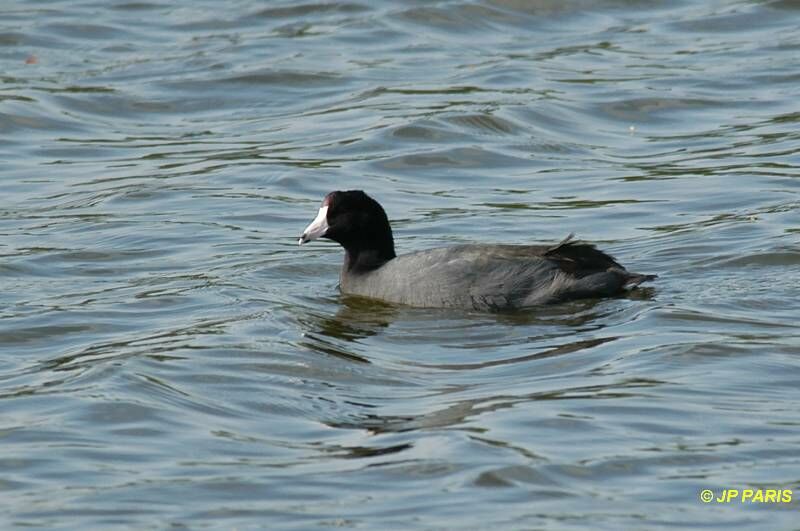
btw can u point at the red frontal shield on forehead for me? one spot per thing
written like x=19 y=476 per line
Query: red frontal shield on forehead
x=328 y=200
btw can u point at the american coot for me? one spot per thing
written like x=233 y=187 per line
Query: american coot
x=480 y=276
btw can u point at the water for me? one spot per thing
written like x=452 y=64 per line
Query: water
x=170 y=358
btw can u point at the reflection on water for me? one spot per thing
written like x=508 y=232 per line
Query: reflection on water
x=168 y=355
x=459 y=413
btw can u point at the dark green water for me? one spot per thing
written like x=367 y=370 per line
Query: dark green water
x=170 y=358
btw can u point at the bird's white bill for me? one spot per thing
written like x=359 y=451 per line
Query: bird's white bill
x=317 y=228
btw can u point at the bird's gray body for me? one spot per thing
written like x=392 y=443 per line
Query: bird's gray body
x=492 y=277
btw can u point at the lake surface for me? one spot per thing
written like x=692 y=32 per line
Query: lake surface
x=170 y=358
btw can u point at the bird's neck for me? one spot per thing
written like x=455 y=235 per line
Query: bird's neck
x=362 y=260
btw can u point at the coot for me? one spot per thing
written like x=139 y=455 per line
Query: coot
x=475 y=276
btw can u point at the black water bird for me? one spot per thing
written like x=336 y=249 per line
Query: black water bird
x=490 y=277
